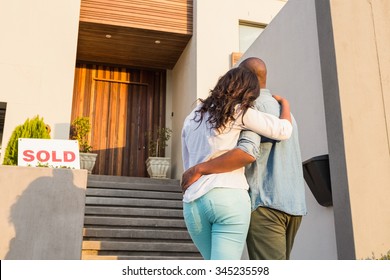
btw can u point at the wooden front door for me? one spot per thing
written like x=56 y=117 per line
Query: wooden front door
x=123 y=105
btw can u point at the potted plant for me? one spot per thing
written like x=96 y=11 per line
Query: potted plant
x=79 y=131
x=157 y=164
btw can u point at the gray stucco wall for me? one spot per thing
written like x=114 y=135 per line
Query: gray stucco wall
x=41 y=213
x=289 y=46
x=330 y=59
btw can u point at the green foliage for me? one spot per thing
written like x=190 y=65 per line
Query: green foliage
x=79 y=131
x=40 y=164
x=382 y=257
x=34 y=128
x=158 y=141
x=385 y=257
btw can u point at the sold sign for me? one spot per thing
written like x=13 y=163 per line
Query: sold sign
x=50 y=152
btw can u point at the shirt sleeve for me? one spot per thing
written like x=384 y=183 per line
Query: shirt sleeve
x=184 y=149
x=249 y=142
x=266 y=124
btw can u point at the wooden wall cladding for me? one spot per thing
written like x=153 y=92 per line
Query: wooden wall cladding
x=160 y=15
x=148 y=34
x=123 y=106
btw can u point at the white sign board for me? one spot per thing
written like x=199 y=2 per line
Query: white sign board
x=48 y=152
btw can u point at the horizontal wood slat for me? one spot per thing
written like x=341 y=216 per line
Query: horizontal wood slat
x=169 y=16
x=133 y=27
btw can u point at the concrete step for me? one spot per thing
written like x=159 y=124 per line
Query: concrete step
x=127 y=233
x=148 y=255
x=140 y=246
x=96 y=192
x=134 y=202
x=131 y=218
x=132 y=211
x=93 y=221
x=134 y=183
x=139 y=257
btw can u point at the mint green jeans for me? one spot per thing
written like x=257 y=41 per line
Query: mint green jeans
x=218 y=223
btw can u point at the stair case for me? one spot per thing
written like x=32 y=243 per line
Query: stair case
x=129 y=218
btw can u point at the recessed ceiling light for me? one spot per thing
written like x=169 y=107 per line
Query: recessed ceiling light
x=157 y=41
x=108 y=36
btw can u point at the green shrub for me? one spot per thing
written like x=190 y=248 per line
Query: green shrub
x=382 y=257
x=79 y=131
x=385 y=257
x=34 y=128
x=158 y=140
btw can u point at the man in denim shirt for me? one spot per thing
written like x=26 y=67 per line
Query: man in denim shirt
x=275 y=178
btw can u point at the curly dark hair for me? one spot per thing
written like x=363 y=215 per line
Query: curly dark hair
x=237 y=86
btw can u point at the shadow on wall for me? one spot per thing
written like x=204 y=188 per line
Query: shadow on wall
x=47 y=219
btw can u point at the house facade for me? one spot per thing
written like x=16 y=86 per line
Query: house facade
x=134 y=66
x=128 y=65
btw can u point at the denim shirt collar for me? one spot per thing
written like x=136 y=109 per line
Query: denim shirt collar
x=265 y=91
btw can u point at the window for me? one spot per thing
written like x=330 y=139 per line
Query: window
x=249 y=31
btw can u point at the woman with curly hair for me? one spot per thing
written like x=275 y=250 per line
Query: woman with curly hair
x=217 y=206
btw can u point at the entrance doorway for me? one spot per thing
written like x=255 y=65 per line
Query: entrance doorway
x=123 y=105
